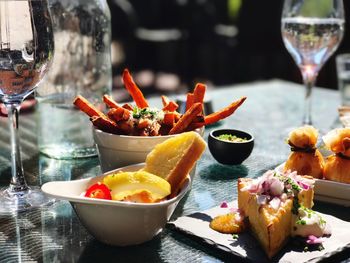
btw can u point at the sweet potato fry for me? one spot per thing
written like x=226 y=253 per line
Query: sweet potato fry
x=87 y=107
x=169 y=119
x=119 y=114
x=169 y=105
x=125 y=127
x=198 y=118
x=195 y=125
x=165 y=100
x=172 y=106
x=116 y=112
x=104 y=124
x=110 y=102
x=164 y=130
x=189 y=101
x=177 y=116
x=127 y=106
x=199 y=93
x=143 y=124
x=113 y=115
x=223 y=113
x=186 y=119
x=126 y=114
x=133 y=90
x=121 y=119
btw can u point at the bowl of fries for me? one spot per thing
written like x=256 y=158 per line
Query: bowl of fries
x=127 y=133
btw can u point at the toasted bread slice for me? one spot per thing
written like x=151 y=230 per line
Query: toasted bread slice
x=272 y=228
x=174 y=158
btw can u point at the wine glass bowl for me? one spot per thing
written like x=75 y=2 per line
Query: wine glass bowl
x=311 y=31
x=26 y=46
x=26 y=52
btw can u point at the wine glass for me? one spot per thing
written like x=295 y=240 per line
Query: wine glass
x=26 y=52
x=312 y=31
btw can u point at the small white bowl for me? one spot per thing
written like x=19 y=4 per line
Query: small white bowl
x=115 y=151
x=114 y=222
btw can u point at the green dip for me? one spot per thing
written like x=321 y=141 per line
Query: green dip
x=231 y=138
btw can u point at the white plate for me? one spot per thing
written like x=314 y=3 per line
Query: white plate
x=329 y=191
x=247 y=247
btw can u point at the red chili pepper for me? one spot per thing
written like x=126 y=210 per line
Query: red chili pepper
x=99 y=190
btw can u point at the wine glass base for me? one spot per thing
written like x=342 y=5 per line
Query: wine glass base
x=19 y=202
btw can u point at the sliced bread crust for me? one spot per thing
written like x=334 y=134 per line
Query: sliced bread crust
x=174 y=158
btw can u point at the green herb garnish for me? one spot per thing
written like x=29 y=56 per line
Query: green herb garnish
x=138 y=113
x=288 y=181
x=309 y=212
x=235 y=236
x=296 y=205
x=293 y=190
x=320 y=247
x=294 y=185
x=231 y=138
x=301 y=222
x=322 y=221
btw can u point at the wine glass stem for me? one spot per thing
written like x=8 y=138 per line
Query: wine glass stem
x=18 y=183
x=307 y=108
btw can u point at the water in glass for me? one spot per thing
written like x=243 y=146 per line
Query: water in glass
x=312 y=31
x=26 y=51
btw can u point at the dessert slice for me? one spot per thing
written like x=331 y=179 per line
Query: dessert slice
x=174 y=158
x=269 y=203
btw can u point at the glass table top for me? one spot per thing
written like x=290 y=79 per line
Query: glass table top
x=54 y=234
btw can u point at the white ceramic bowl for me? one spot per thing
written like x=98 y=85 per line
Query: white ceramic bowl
x=116 y=151
x=114 y=222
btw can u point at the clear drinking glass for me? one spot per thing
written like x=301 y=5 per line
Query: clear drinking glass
x=26 y=51
x=312 y=31
x=343 y=73
x=82 y=66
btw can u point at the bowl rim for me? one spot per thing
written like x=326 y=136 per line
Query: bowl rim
x=52 y=189
x=99 y=132
x=232 y=130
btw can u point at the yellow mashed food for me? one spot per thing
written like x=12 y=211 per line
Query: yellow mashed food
x=126 y=184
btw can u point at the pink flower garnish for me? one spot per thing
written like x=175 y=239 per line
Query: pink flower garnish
x=224 y=205
x=312 y=240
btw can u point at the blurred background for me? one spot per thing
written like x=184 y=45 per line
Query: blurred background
x=171 y=44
